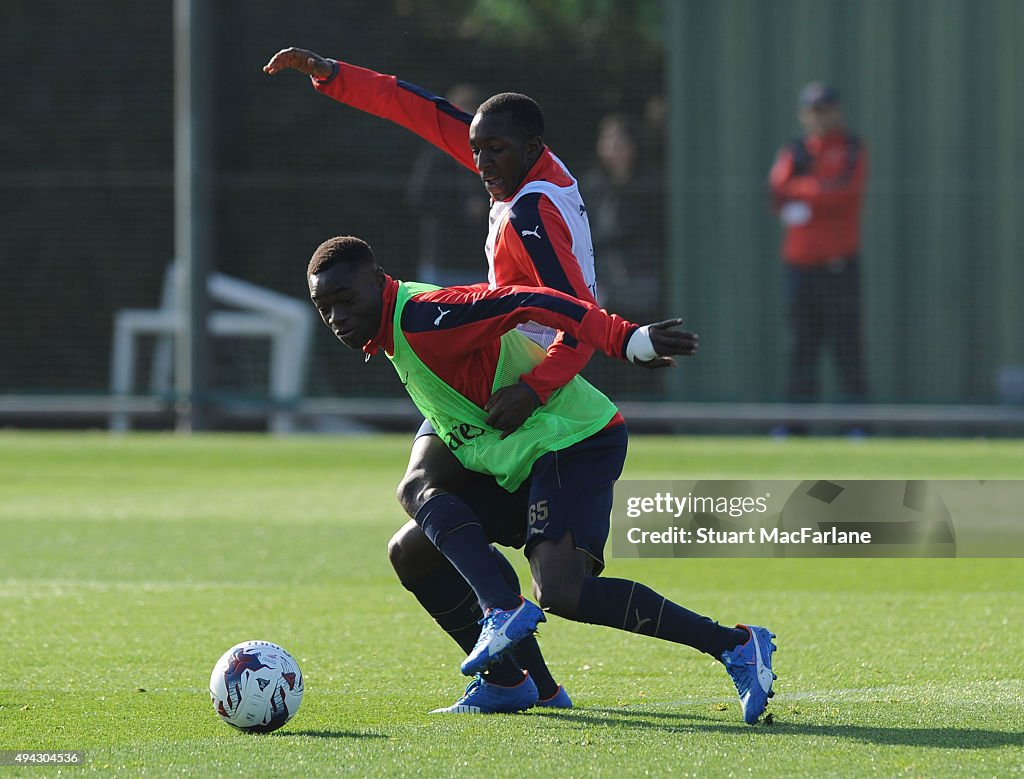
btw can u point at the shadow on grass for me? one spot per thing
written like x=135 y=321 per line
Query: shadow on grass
x=943 y=738
x=328 y=734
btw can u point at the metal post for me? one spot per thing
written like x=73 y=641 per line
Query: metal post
x=192 y=236
x=673 y=14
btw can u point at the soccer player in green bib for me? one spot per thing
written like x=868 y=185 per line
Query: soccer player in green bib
x=454 y=349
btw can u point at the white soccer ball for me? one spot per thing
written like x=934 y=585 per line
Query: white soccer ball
x=256 y=686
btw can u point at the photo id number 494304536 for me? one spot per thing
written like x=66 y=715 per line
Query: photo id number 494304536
x=42 y=757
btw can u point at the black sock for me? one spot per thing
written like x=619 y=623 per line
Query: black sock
x=455 y=530
x=528 y=655
x=505 y=672
x=452 y=603
x=631 y=606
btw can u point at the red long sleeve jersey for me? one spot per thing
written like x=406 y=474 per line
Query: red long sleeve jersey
x=827 y=173
x=532 y=243
x=456 y=331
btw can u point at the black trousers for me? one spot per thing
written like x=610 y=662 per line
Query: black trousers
x=824 y=310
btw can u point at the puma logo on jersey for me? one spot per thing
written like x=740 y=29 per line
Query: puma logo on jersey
x=442 y=315
x=535 y=232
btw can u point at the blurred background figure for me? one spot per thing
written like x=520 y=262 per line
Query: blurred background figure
x=625 y=220
x=817 y=184
x=451 y=208
x=654 y=136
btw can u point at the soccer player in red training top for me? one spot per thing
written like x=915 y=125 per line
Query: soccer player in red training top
x=539 y=235
x=451 y=348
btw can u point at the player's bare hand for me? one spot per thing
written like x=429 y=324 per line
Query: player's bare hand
x=669 y=340
x=302 y=60
x=509 y=407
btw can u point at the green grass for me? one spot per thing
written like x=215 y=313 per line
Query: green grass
x=129 y=564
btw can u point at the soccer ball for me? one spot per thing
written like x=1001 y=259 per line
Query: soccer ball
x=256 y=686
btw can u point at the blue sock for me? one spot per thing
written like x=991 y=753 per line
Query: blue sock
x=631 y=606
x=455 y=530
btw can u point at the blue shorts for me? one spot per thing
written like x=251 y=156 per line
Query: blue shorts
x=571 y=490
x=500 y=512
x=567 y=490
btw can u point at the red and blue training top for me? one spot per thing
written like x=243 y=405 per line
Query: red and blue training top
x=532 y=241
x=456 y=331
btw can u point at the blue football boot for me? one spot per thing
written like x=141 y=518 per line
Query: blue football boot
x=560 y=700
x=502 y=630
x=482 y=697
x=750 y=666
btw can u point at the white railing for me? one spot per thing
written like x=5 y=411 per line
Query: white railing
x=261 y=313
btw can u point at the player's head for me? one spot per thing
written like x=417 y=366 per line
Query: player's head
x=507 y=137
x=345 y=285
x=820 y=110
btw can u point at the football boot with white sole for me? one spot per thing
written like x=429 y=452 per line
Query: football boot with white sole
x=482 y=697
x=750 y=666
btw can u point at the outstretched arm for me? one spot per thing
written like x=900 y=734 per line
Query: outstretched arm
x=472 y=315
x=431 y=117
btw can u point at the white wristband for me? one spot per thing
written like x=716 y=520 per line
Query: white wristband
x=640 y=348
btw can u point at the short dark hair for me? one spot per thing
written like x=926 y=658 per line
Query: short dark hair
x=525 y=113
x=342 y=248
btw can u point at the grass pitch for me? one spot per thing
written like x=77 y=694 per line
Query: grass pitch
x=129 y=564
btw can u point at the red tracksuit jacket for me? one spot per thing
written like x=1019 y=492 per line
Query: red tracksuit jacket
x=827 y=173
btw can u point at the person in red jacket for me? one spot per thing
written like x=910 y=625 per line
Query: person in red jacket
x=539 y=235
x=817 y=186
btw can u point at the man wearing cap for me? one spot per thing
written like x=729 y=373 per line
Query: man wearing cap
x=817 y=185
